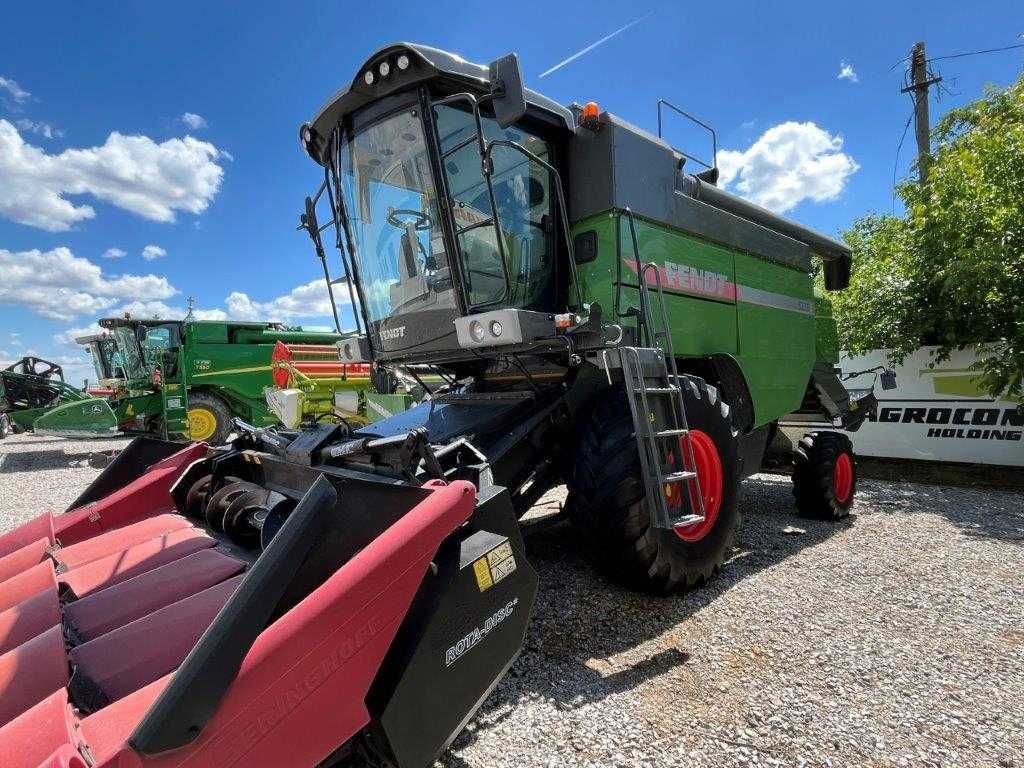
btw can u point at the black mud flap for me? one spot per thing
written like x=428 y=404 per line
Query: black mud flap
x=139 y=455
x=465 y=629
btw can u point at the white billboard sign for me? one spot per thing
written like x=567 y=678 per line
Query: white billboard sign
x=935 y=414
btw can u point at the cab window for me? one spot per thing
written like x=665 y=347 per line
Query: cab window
x=523 y=198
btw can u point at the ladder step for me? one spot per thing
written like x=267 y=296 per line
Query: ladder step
x=679 y=522
x=676 y=477
x=658 y=390
x=671 y=432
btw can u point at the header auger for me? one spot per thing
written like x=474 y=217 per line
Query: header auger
x=577 y=308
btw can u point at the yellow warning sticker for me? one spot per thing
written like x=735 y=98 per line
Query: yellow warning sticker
x=483 y=574
x=494 y=566
x=503 y=569
x=498 y=554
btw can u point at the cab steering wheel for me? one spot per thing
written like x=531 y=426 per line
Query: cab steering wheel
x=419 y=219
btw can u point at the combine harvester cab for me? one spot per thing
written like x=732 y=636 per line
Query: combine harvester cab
x=259 y=628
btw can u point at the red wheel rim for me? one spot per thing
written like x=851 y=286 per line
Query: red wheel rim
x=842 y=478
x=709 y=475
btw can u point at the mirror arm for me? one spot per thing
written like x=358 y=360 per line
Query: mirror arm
x=348 y=253
x=310 y=224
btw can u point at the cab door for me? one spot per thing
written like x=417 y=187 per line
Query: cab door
x=520 y=271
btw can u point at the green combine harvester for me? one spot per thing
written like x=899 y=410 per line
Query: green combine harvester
x=189 y=380
x=600 y=315
x=592 y=313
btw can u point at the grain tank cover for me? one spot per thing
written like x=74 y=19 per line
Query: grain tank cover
x=619 y=165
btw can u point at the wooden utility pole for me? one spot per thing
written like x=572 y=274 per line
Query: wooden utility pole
x=919 y=84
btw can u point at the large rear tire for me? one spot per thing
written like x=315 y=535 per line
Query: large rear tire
x=606 y=495
x=824 y=475
x=209 y=418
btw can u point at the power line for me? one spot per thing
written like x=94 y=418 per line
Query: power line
x=976 y=53
x=917 y=87
x=896 y=162
x=904 y=60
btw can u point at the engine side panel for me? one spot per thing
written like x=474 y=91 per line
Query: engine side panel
x=719 y=301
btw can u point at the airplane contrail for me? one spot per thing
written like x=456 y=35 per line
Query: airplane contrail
x=594 y=45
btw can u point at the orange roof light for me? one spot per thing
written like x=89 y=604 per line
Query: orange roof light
x=590 y=111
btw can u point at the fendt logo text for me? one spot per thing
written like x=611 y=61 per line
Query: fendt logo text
x=389 y=334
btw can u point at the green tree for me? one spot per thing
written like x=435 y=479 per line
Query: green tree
x=950 y=271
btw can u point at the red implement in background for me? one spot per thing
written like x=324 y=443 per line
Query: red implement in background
x=316 y=361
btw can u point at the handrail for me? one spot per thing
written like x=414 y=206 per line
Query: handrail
x=702 y=124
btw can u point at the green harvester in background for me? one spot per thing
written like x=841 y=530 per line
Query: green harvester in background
x=193 y=378
x=190 y=380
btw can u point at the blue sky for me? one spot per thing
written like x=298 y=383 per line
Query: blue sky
x=223 y=204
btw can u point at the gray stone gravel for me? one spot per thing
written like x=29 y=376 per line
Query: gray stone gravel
x=40 y=472
x=895 y=639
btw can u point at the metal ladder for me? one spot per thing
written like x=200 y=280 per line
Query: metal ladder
x=654 y=426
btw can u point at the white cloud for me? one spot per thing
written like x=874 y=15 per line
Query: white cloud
x=68 y=336
x=308 y=300
x=15 y=91
x=149 y=310
x=158 y=310
x=143 y=310
x=193 y=121
x=847 y=72
x=135 y=173
x=114 y=253
x=153 y=252
x=39 y=128
x=60 y=285
x=789 y=163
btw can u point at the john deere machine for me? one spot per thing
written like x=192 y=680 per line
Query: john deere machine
x=598 y=316
x=31 y=387
x=190 y=379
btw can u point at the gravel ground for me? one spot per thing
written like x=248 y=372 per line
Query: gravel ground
x=895 y=639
